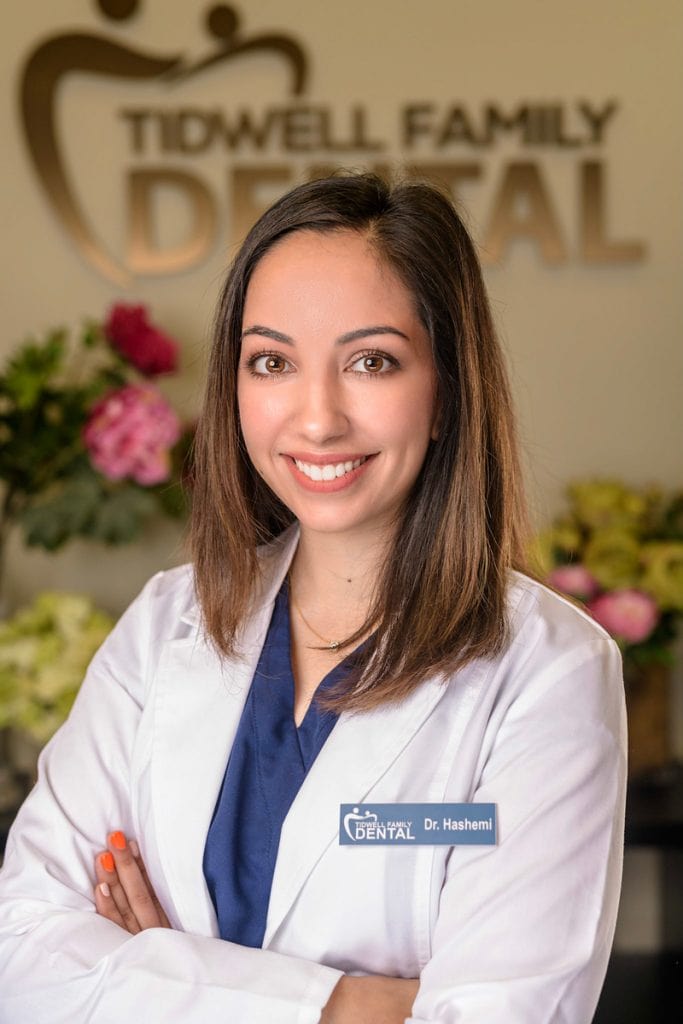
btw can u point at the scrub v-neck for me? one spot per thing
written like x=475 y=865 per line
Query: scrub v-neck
x=268 y=763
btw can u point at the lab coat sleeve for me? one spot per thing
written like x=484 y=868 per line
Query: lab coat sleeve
x=524 y=928
x=59 y=961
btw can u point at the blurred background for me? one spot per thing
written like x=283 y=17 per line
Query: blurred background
x=143 y=138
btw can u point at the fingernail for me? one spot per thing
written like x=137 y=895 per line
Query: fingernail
x=118 y=840
x=133 y=847
x=104 y=889
x=107 y=861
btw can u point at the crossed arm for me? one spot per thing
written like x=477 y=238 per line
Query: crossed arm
x=124 y=895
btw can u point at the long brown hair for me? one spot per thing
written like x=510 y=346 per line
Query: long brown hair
x=441 y=596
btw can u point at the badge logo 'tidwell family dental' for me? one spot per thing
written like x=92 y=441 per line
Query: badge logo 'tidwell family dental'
x=62 y=55
x=417 y=824
x=356 y=824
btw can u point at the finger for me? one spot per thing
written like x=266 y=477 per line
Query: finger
x=105 y=905
x=165 y=923
x=105 y=870
x=138 y=894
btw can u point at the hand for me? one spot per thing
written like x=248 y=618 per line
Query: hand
x=374 y=999
x=123 y=893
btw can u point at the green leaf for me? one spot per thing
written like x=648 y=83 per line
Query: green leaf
x=68 y=513
x=43 y=444
x=92 y=334
x=32 y=368
x=121 y=514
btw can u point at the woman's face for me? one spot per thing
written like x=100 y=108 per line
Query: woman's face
x=336 y=382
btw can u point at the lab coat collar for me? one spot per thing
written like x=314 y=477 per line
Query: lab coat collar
x=199 y=699
x=198 y=707
x=357 y=754
x=275 y=558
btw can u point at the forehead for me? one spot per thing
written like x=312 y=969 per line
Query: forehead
x=337 y=274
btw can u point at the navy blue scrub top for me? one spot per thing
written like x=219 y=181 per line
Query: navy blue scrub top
x=268 y=763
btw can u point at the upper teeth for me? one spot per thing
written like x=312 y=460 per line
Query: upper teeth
x=329 y=471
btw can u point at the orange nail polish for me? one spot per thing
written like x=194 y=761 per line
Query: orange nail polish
x=118 y=840
x=107 y=861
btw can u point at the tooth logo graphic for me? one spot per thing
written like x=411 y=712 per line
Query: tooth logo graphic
x=62 y=55
x=353 y=817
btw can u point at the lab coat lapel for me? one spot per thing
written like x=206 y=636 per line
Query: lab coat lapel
x=359 y=750
x=199 y=701
x=197 y=712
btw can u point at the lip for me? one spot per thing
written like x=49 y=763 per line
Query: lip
x=329 y=458
x=340 y=483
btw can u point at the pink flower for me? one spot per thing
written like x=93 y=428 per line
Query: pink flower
x=575 y=580
x=143 y=345
x=129 y=434
x=628 y=615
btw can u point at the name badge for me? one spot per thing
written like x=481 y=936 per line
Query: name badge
x=417 y=824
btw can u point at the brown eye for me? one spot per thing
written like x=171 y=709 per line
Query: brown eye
x=267 y=364
x=373 y=363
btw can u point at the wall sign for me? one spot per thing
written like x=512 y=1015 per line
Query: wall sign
x=274 y=145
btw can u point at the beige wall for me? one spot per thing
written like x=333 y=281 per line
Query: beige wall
x=595 y=352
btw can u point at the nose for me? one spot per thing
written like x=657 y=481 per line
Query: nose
x=321 y=413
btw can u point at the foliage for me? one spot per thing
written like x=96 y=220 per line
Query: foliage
x=56 y=452
x=44 y=652
x=621 y=551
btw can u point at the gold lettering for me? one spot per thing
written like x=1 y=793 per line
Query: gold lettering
x=194 y=131
x=246 y=128
x=522 y=209
x=137 y=119
x=169 y=139
x=495 y=119
x=316 y=171
x=247 y=206
x=357 y=139
x=416 y=122
x=450 y=175
x=595 y=247
x=299 y=126
x=360 y=139
x=457 y=128
x=597 y=119
x=560 y=138
x=387 y=172
x=144 y=255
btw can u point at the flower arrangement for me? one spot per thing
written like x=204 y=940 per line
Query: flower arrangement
x=620 y=551
x=89 y=446
x=44 y=652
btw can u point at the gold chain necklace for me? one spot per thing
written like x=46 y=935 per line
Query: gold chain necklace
x=331 y=645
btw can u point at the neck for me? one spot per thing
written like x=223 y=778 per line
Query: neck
x=335 y=576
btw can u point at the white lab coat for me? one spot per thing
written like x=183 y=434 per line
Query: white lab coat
x=517 y=933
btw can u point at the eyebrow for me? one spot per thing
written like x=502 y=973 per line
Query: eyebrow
x=344 y=339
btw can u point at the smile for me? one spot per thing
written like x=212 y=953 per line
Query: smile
x=330 y=471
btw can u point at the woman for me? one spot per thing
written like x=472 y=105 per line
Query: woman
x=358 y=529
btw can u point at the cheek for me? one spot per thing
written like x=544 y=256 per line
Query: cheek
x=412 y=416
x=261 y=413
x=249 y=402
x=247 y=407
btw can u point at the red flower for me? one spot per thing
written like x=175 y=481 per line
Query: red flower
x=128 y=330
